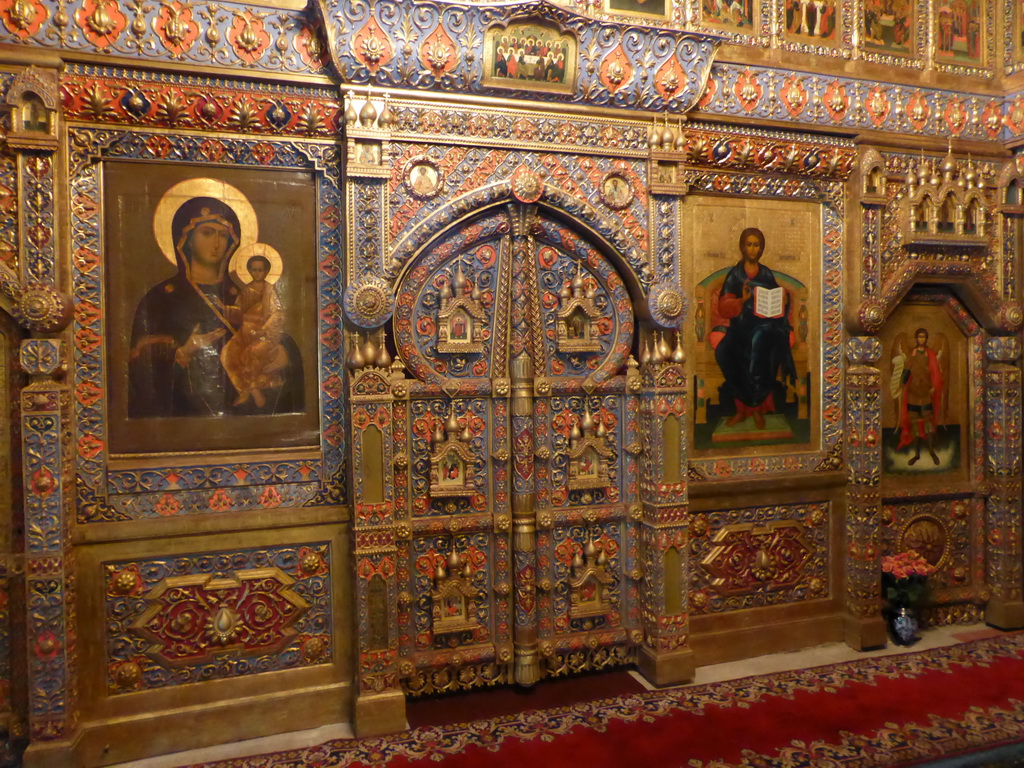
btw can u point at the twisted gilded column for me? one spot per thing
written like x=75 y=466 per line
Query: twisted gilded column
x=524 y=525
x=525 y=348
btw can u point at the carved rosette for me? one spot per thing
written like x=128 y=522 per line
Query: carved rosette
x=369 y=302
x=871 y=316
x=1011 y=317
x=667 y=305
x=42 y=309
x=527 y=186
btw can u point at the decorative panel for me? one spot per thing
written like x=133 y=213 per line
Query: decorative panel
x=896 y=267
x=214 y=34
x=582 y=301
x=627 y=65
x=588 y=577
x=473 y=253
x=819 y=99
x=429 y=416
x=948 y=534
x=431 y=606
x=568 y=434
x=759 y=556
x=480 y=177
x=218 y=615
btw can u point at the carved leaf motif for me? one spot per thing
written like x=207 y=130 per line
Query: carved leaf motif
x=96 y=104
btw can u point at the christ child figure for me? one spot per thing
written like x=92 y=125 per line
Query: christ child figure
x=254 y=358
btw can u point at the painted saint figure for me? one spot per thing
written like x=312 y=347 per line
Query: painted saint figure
x=918 y=388
x=254 y=357
x=757 y=343
x=183 y=325
x=424 y=180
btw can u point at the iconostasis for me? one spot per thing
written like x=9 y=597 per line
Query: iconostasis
x=367 y=351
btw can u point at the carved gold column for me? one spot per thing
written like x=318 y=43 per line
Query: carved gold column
x=665 y=657
x=1003 y=554
x=47 y=475
x=380 y=702
x=46 y=422
x=524 y=516
x=864 y=627
x=369 y=302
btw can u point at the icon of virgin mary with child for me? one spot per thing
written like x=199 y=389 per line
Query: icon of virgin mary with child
x=210 y=340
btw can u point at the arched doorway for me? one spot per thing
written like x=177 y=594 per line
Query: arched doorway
x=520 y=495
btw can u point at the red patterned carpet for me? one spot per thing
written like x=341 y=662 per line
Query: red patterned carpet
x=911 y=709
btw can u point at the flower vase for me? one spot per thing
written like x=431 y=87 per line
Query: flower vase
x=903 y=624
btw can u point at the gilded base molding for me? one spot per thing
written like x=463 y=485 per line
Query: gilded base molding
x=121 y=739
x=1004 y=615
x=674 y=668
x=717 y=642
x=49 y=754
x=379 y=713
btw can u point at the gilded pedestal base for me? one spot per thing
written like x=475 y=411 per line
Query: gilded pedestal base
x=162 y=732
x=1004 y=615
x=50 y=754
x=717 y=639
x=666 y=668
x=377 y=714
x=863 y=634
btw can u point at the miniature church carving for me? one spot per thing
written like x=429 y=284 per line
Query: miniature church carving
x=460 y=320
x=454 y=598
x=589 y=583
x=577 y=317
x=452 y=463
x=944 y=205
x=589 y=454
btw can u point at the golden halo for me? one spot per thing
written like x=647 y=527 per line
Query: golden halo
x=185 y=190
x=237 y=267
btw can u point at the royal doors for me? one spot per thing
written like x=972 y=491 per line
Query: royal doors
x=512 y=433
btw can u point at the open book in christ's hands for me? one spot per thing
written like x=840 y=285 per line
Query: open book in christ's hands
x=768 y=302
